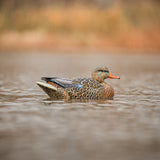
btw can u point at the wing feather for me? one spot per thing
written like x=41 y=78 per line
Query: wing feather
x=62 y=82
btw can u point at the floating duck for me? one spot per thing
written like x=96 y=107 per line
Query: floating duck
x=81 y=88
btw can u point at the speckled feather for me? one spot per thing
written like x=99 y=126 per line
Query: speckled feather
x=90 y=89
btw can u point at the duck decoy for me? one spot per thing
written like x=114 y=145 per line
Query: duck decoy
x=81 y=88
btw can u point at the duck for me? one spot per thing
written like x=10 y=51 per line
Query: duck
x=80 y=88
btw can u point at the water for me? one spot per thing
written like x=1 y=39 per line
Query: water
x=34 y=127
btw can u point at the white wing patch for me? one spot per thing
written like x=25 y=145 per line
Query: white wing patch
x=46 y=85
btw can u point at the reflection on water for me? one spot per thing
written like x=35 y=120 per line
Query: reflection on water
x=34 y=127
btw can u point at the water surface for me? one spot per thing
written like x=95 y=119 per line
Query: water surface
x=34 y=127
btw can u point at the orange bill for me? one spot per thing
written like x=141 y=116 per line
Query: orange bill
x=112 y=76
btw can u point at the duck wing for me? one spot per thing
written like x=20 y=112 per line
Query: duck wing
x=62 y=82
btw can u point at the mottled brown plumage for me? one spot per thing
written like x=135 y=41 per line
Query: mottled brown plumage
x=81 y=88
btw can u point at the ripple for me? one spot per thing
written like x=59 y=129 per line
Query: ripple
x=33 y=124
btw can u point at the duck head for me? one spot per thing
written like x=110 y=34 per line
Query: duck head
x=102 y=73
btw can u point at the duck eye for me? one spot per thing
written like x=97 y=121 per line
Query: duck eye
x=100 y=70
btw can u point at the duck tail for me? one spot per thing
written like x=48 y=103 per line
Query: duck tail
x=51 y=90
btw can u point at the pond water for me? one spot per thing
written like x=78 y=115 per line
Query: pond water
x=34 y=127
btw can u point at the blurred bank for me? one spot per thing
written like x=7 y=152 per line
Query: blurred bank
x=73 y=25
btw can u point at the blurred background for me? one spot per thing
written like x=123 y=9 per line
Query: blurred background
x=69 y=39
x=73 y=25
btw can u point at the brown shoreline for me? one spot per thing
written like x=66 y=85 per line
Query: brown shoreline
x=32 y=41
